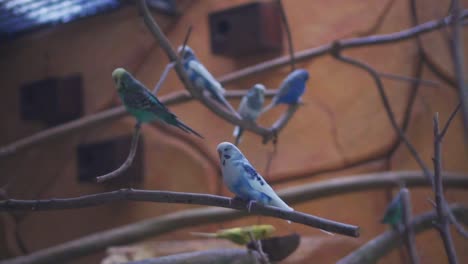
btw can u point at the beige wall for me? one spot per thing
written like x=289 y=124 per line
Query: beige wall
x=343 y=121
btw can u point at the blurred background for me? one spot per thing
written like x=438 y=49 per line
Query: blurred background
x=56 y=60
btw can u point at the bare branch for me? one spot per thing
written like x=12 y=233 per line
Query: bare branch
x=128 y=161
x=225 y=256
x=402 y=78
x=408 y=229
x=458 y=64
x=383 y=244
x=230 y=116
x=449 y=120
x=177 y=197
x=181 y=97
x=387 y=107
x=192 y=217
x=100 y=119
x=443 y=222
x=284 y=18
x=345 y=44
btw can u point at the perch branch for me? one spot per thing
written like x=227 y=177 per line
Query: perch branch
x=229 y=116
x=178 y=197
x=192 y=217
x=128 y=161
x=381 y=245
x=408 y=229
x=180 y=97
x=443 y=223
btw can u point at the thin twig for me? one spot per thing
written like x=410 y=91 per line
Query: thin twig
x=163 y=77
x=443 y=223
x=178 y=197
x=449 y=120
x=128 y=162
x=383 y=244
x=192 y=217
x=258 y=247
x=387 y=107
x=408 y=229
x=397 y=77
x=284 y=18
x=460 y=229
x=458 y=64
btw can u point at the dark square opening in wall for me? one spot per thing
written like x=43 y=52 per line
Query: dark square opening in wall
x=246 y=29
x=52 y=100
x=102 y=157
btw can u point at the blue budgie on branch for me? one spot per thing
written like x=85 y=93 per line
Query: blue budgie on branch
x=291 y=89
x=142 y=104
x=201 y=78
x=250 y=106
x=243 y=180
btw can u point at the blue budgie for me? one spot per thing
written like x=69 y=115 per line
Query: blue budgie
x=242 y=179
x=142 y=104
x=201 y=78
x=291 y=89
x=250 y=107
x=245 y=182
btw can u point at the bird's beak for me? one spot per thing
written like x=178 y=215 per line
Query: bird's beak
x=220 y=154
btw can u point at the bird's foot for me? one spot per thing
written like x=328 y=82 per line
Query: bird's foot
x=249 y=205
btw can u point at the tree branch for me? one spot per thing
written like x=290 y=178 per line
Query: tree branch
x=374 y=74
x=225 y=256
x=232 y=116
x=102 y=117
x=177 y=197
x=408 y=229
x=284 y=18
x=458 y=64
x=128 y=161
x=443 y=223
x=345 y=44
x=383 y=244
x=180 y=97
x=192 y=217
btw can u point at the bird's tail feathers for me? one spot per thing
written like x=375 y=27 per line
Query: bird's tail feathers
x=187 y=129
x=200 y=234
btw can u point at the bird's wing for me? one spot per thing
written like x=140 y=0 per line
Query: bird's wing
x=283 y=90
x=200 y=70
x=256 y=180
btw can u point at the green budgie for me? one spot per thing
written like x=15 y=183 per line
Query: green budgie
x=240 y=235
x=142 y=104
x=394 y=212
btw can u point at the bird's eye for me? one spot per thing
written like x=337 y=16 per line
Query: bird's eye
x=226 y=149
